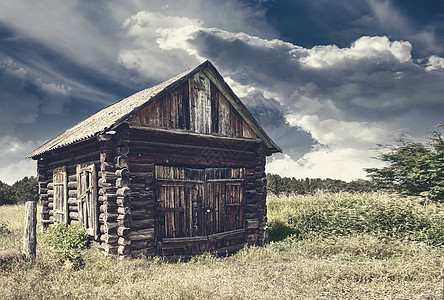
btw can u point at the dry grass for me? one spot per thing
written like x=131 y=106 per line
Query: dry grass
x=358 y=266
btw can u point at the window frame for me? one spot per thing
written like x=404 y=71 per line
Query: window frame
x=59 y=181
x=87 y=198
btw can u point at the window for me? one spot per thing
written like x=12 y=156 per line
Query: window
x=60 y=195
x=87 y=198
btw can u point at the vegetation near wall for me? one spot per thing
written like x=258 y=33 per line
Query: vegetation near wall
x=332 y=246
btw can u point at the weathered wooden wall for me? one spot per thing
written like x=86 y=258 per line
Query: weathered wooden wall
x=196 y=105
x=125 y=164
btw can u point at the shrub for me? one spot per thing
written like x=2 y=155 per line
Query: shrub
x=66 y=241
x=414 y=169
x=4 y=228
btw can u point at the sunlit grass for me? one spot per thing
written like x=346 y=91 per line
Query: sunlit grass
x=359 y=265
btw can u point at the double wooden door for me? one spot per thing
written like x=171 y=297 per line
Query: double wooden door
x=199 y=209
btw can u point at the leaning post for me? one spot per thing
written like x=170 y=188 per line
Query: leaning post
x=30 y=234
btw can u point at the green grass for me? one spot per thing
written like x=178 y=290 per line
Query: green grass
x=384 y=215
x=356 y=263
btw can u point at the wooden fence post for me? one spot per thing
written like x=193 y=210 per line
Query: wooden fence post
x=30 y=235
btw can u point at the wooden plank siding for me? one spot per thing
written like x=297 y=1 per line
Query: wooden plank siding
x=196 y=105
x=198 y=209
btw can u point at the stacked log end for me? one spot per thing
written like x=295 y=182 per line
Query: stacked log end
x=123 y=201
x=256 y=209
x=43 y=192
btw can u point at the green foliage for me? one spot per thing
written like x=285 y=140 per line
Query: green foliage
x=6 y=194
x=26 y=190
x=4 y=228
x=327 y=214
x=66 y=241
x=283 y=185
x=413 y=168
x=279 y=230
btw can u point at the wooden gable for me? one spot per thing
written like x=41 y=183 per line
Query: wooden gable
x=197 y=105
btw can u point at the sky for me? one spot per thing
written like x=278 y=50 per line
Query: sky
x=327 y=80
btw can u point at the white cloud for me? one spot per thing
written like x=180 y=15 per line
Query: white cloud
x=16 y=171
x=341 y=133
x=64 y=28
x=376 y=49
x=389 y=17
x=435 y=63
x=325 y=90
x=13 y=165
x=52 y=88
x=147 y=55
x=13 y=149
x=346 y=149
x=342 y=163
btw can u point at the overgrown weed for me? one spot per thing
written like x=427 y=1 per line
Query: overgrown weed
x=340 y=214
x=350 y=265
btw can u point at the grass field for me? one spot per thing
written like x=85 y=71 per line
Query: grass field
x=337 y=251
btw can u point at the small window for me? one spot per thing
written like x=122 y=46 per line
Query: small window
x=60 y=197
x=87 y=198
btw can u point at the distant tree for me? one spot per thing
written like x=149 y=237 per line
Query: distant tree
x=26 y=189
x=413 y=168
x=6 y=194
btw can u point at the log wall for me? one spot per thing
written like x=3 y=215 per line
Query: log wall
x=126 y=183
x=148 y=148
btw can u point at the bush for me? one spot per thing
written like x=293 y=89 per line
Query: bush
x=66 y=241
x=4 y=228
x=413 y=169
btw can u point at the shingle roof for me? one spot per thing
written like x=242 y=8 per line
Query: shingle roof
x=115 y=114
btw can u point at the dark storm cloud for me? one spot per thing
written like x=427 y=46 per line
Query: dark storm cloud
x=310 y=23
x=380 y=85
x=270 y=115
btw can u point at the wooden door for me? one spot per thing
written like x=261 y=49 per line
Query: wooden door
x=199 y=209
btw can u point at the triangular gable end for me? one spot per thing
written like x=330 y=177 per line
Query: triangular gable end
x=202 y=103
x=192 y=114
x=197 y=105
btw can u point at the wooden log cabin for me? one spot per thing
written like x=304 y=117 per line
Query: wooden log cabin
x=176 y=169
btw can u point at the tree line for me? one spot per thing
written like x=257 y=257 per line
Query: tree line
x=285 y=185
x=21 y=191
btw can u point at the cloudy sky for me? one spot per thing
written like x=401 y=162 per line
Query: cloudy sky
x=328 y=80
